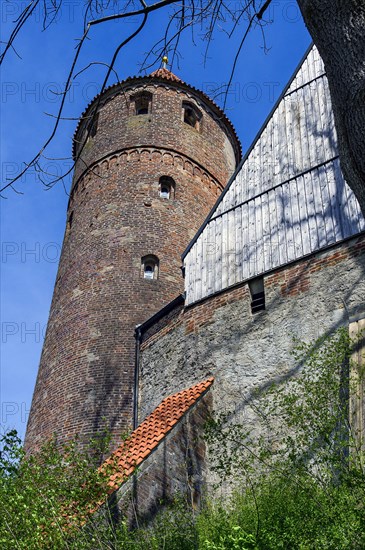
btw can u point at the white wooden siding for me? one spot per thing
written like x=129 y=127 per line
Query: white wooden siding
x=288 y=199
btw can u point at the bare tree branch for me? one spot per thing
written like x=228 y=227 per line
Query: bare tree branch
x=261 y=12
x=144 y=11
x=26 y=13
x=188 y=14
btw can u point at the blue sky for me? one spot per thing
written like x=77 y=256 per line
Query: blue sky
x=32 y=223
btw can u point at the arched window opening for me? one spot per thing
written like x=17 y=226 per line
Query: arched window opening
x=150 y=267
x=165 y=192
x=166 y=187
x=149 y=271
x=142 y=103
x=191 y=115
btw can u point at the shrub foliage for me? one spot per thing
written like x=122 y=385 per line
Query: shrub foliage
x=298 y=480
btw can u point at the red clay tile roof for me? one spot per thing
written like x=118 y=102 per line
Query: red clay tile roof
x=168 y=75
x=146 y=438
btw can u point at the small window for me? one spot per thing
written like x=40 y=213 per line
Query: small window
x=92 y=125
x=142 y=103
x=167 y=187
x=142 y=107
x=149 y=267
x=69 y=222
x=191 y=115
x=149 y=271
x=257 y=294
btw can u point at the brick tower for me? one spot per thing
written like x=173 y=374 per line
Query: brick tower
x=152 y=155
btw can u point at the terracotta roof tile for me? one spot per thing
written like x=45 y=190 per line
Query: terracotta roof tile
x=146 y=438
x=168 y=75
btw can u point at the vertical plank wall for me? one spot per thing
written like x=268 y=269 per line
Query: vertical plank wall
x=288 y=199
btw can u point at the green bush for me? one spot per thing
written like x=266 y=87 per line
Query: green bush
x=45 y=498
x=299 y=485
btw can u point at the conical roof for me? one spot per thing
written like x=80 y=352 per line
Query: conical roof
x=168 y=75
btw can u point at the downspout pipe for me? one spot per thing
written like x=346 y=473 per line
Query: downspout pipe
x=138 y=337
x=138 y=332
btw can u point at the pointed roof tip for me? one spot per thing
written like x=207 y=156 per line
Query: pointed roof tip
x=166 y=74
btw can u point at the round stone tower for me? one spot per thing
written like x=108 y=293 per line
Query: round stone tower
x=152 y=156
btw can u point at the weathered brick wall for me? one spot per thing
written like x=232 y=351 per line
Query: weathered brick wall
x=177 y=468
x=115 y=217
x=214 y=147
x=245 y=352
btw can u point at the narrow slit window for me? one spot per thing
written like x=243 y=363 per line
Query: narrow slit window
x=166 y=187
x=69 y=223
x=191 y=115
x=257 y=291
x=150 y=267
x=92 y=125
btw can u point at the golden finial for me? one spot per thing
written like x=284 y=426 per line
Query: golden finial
x=165 y=61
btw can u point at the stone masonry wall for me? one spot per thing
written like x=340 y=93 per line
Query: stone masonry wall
x=177 y=468
x=220 y=336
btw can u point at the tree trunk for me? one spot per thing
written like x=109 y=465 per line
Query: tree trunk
x=338 y=30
